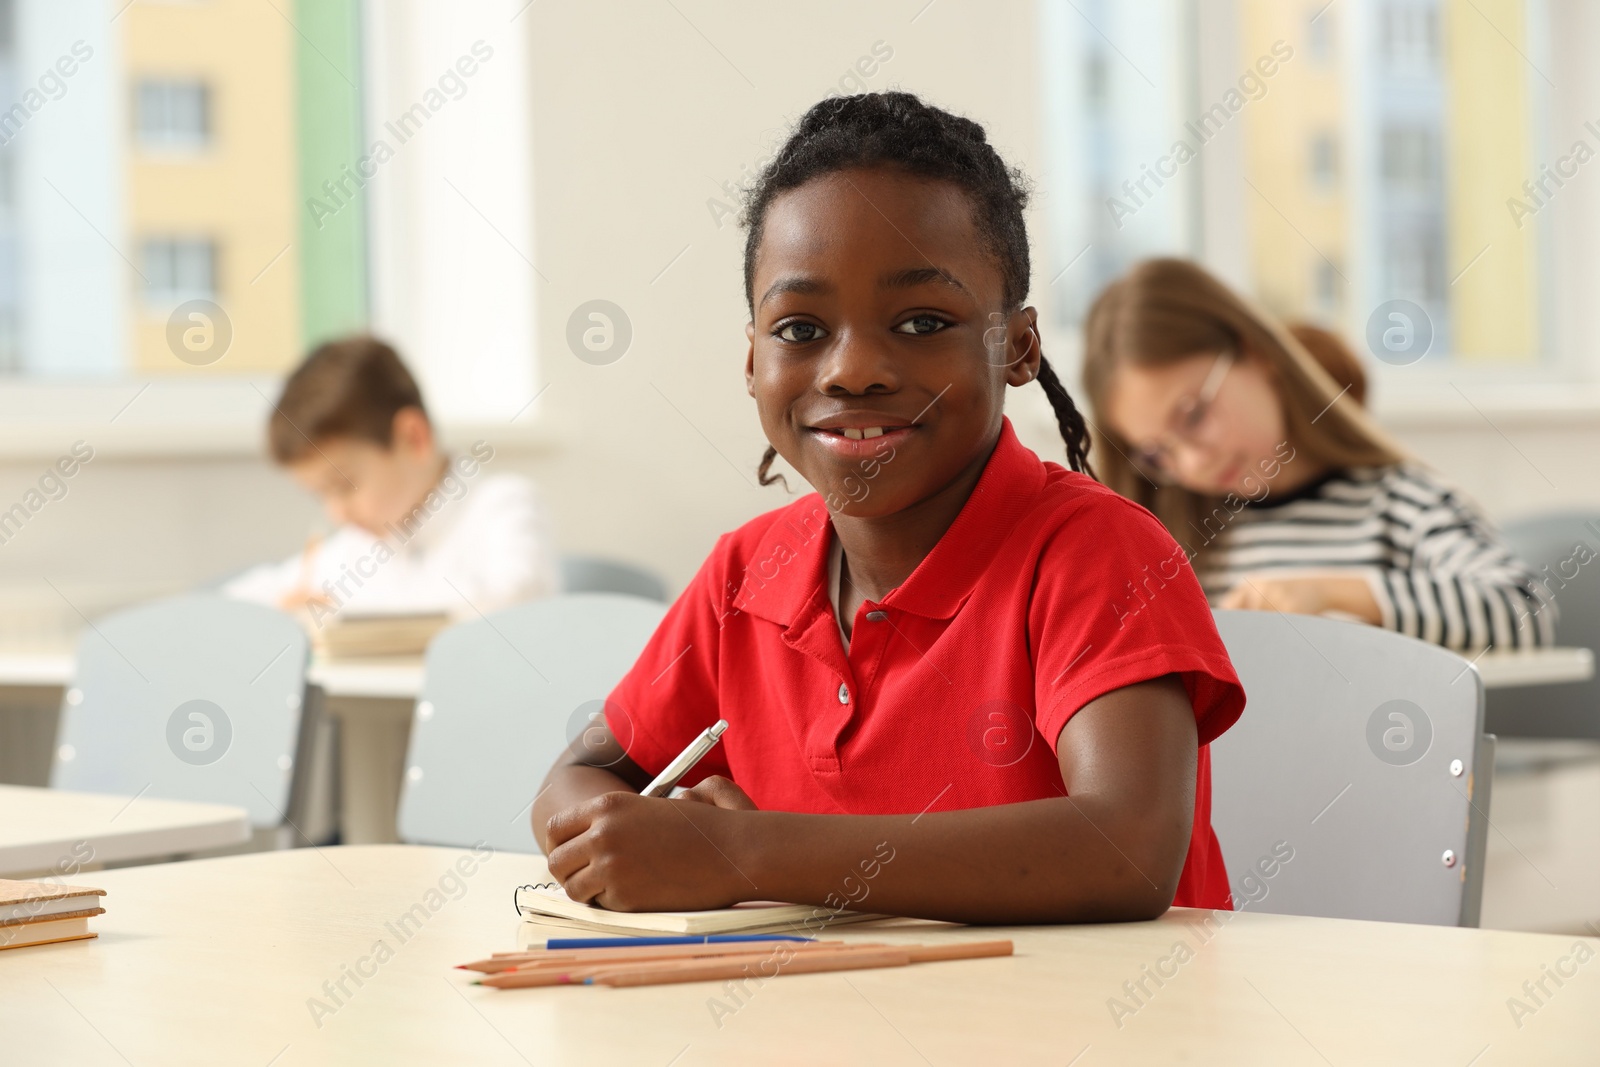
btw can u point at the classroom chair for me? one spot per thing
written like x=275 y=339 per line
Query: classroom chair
x=1570 y=710
x=594 y=574
x=501 y=698
x=1361 y=757
x=193 y=698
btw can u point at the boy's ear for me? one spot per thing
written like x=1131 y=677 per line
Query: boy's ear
x=1026 y=348
x=750 y=359
x=411 y=431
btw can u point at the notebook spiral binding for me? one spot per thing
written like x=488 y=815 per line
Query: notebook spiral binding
x=516 y=894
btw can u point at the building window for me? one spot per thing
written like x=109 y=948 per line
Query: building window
x=1325 y=161
x=178 y=269
x=1328 y=291
x=172 y=114
x=1319 y=33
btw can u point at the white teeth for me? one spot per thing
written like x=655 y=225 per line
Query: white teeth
x=872 y=431
x=852 y=433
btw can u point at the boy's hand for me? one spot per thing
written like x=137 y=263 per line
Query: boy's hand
x=631 y=853
x=719 y=792
x=302 y=600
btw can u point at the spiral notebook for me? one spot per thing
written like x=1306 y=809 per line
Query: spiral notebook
x=547 y=904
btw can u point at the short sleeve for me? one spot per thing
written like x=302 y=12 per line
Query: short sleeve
x=1115 y=602
x=670 y=694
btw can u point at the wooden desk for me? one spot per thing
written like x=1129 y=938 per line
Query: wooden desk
x=238 y=959
x=43 y=828
x=1538 y=666
x=399 y=677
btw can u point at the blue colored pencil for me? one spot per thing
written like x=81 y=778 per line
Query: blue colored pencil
x=641 y=942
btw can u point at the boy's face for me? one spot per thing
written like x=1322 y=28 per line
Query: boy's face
x=879 y=307
x=365 y=484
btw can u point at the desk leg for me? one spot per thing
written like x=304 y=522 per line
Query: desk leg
x=373 y=735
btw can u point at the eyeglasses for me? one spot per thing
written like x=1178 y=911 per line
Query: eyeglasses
x=1156 y=460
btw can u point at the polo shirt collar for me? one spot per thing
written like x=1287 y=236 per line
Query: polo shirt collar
x=796 y=546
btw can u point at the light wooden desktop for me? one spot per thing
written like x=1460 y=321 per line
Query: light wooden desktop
x=241 y=960
x=52 y=830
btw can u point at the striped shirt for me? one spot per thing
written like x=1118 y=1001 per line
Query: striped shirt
x=1437 y=571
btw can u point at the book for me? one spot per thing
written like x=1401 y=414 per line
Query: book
x=547 y=904
x=46 y=932
x=355 y=636
x=39 y=913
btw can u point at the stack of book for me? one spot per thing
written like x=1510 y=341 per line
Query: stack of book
x=39 y=913
x=360 y=636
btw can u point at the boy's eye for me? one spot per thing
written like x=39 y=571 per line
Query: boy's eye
x=922 y=324
x=801 y=332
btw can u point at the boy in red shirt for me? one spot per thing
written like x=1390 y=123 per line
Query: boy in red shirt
x=959 y=681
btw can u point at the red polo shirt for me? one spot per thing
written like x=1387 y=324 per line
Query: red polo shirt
x=1047 y=591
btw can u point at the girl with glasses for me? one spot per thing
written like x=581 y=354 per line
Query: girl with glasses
x=1284 y=493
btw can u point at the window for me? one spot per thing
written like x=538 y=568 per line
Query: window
x=1432 y=136
x=177 y=269
x=1319 y=36
x=233 y=153
x=1115 y=83
x=172 y=114
x=1324 y=161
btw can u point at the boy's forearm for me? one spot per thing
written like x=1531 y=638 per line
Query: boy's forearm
x=1040 y=861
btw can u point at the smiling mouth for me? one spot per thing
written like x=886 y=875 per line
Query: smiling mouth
x=863 y=433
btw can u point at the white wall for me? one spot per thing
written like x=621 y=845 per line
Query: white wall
x=639 y=119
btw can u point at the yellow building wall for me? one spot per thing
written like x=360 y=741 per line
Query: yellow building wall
x=1293 y=222
x=241 y=191
x=1494 y=305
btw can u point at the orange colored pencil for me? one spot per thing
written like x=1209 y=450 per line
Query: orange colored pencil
x=565 y=972
x=809 y=963
x=516 y=960
x=836 y=956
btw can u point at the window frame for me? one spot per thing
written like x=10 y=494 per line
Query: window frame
x=139 y=415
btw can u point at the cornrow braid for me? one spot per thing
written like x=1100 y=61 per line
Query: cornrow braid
x=898 y=129
x=1074 y=428
x=762 y=474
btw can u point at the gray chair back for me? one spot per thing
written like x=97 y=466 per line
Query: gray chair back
x=592 y=574
x=1572 y=709
x=194 y=698
x=1360 y=750
x=501 y=698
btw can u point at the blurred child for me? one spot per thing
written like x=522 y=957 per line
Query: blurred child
x=417 y=530
x=1286 y=496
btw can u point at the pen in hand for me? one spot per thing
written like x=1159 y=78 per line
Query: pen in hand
x=673 y=773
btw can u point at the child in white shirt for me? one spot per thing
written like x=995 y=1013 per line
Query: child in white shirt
x=418 y=531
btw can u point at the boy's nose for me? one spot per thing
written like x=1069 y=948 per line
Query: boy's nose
x=857 y=365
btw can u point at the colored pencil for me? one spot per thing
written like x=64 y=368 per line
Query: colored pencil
x=594 y=956
x=657 y=970
x=563 y=943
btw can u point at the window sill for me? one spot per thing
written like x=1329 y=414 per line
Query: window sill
x=1445 y=404
x=192 y=420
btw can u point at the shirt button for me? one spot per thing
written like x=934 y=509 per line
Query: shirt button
x=844 y=693
x=877 y=616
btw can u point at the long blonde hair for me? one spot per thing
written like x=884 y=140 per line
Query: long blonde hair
x=1164 y=311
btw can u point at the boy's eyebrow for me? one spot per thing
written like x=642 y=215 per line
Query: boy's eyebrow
x=909 y=278
x=796 y=283
x=915 y=276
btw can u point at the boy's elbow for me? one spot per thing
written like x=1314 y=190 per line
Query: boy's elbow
x=1154 y=885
